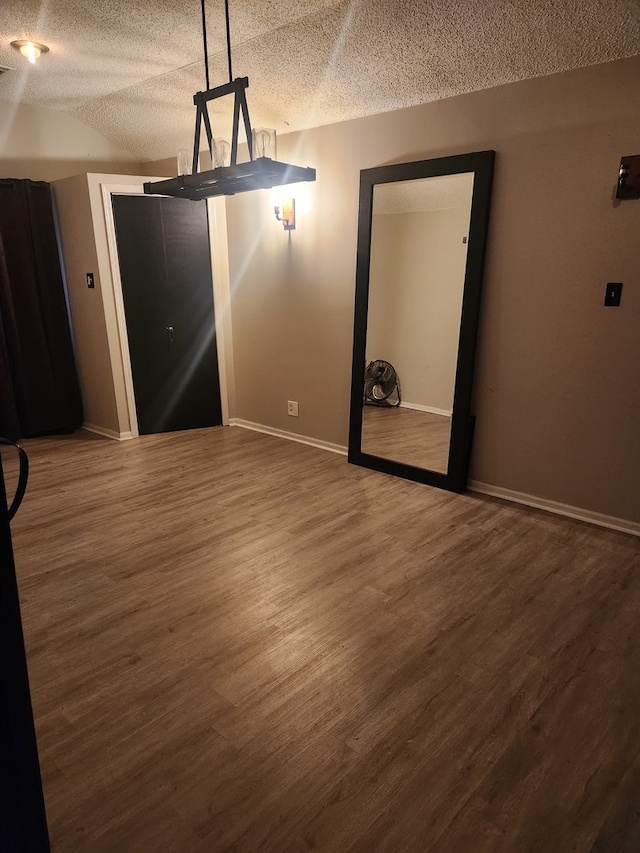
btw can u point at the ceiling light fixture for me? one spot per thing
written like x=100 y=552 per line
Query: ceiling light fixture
x=258 y=173
x=30 y=49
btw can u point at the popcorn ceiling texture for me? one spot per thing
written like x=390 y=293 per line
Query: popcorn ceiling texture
x=130 y=69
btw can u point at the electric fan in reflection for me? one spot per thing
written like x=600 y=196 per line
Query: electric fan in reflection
x=381 y=384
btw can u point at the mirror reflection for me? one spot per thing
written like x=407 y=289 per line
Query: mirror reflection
x=418 y=255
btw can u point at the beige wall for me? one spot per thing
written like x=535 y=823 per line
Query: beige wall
x=94 y=365
x=558 y=374
x=415 y=298
x=98 y=328
x=292 y=293
x=161 y=168
x=45 y=145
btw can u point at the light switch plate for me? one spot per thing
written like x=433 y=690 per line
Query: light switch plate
x=629 y=177
x=613 y=294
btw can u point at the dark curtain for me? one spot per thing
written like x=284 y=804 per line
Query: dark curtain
x=38 y=381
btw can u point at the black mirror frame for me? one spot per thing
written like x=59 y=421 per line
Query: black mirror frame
x=481 y=163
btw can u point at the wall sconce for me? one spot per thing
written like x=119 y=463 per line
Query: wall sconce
x=288 y=217
x=30 y=49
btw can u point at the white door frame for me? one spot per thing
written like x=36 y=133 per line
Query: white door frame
x=221 y=295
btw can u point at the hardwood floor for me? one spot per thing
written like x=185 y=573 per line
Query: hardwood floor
x=407 y=435
x=238 y=643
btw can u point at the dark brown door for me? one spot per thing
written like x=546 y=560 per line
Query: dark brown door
x=165 y=268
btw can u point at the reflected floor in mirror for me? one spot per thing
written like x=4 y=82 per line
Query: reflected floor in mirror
x=407 y=435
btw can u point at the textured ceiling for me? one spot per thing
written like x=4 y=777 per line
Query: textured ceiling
x=129 y=69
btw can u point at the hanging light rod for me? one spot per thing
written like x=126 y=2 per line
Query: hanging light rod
x=257 y=173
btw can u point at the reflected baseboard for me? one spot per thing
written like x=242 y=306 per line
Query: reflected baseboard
x=609 y=521
x=291 y=436
x=418 y=407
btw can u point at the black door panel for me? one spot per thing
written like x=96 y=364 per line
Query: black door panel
x=165 y=268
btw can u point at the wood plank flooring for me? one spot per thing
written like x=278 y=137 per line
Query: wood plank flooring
x=407 y=435
x=238 y=643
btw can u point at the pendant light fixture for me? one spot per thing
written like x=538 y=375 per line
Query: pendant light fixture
x=257 y=173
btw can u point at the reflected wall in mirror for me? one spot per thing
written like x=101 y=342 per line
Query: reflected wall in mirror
x=419 y=233
x=421 y=243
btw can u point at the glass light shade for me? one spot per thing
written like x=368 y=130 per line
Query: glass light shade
x=184 y=161
x=31 y=52
x=264 y=143
x=221 y=150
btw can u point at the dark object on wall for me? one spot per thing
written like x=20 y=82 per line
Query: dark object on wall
x=613 y=294
x=165 y=269
x=23 y=824
x=629 y=178
x=38 y=380
x=381 y=384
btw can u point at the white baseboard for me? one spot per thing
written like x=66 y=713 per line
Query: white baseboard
x=107 y=433
x=418 y=407
x=557 y=508
x=291 y=436
x=609 y=521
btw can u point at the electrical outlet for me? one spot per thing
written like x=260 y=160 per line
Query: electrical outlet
x=292 y=408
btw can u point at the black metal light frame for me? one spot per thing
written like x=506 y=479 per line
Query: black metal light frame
x=259 y=173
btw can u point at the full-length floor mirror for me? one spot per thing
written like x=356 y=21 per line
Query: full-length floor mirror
x=421 y=244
